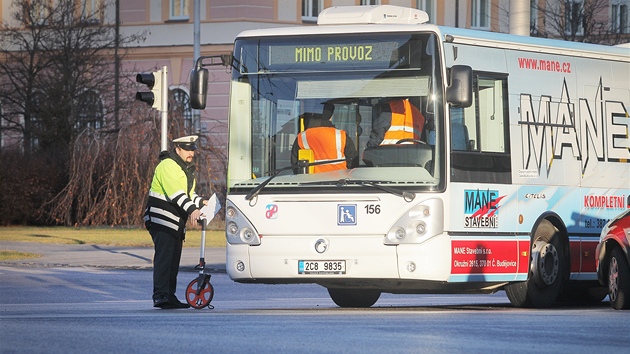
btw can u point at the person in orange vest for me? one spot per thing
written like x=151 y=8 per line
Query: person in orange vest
x=326 y=142
x=400 y=119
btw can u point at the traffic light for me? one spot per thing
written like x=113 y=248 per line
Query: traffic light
x=153 y=82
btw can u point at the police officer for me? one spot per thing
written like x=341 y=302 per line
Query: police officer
x=172 y=199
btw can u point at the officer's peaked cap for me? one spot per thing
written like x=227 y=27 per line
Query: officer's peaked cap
x=187 y=142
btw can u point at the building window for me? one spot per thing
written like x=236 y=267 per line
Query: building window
x=90 y=7
x=533 y=17
x=573 y=17
x=370 y=2
x=34 y=122
x=619 y=18
x=90 y=113
x=427 y=6
x=311 y=8
x=91 y=11
x=181 y=108
x=179 y=10
x=480 y=14
x=37 y=12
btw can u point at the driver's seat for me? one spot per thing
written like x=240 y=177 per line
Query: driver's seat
x=397 y=155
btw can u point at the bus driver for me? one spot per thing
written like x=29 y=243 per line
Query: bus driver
x=398 y=120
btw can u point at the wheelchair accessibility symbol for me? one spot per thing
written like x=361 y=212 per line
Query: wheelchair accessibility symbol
x=346 y=214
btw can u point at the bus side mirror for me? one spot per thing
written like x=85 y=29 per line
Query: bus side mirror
x=198 y=87
x=459 y=91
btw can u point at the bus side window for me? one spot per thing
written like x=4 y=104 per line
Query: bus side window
x=479 y=133
x=459 y=131
x=492 y=125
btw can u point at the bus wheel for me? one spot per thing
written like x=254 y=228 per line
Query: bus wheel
x=618 y=280
x=354 y=297
x=546 y=270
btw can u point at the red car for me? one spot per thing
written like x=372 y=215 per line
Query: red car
x=613 y=263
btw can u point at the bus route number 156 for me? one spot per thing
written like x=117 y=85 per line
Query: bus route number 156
x=372 y=209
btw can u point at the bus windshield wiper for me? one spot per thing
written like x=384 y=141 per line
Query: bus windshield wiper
x=407 y=196
x=300 y=165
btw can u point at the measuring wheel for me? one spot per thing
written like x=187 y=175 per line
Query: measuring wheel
x=200 y=292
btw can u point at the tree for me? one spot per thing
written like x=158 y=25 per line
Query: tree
x=589 y=21
x=56 y=68
x=110 y=176
x=55 y=94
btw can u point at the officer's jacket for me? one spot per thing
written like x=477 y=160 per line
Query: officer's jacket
x=407 y=122
x=172 y=196
x=327 y=143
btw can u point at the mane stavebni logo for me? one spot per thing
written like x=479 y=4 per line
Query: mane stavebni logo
x=590 y=129
x=481 y=208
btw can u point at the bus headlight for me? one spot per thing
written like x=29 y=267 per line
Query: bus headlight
x=230 y=213
x=232 y=229
x=421 y=228
x=247 y=235
x=399 y=233
x=238 y=229
x=418 y=223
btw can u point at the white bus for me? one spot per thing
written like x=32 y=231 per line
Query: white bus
x=523 y=157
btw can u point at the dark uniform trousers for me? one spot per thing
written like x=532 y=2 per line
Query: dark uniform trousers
x=168 y=252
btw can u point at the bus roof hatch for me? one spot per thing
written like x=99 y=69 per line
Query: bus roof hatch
x=372 y=14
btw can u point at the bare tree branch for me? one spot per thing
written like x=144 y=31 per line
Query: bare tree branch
x=578 y=21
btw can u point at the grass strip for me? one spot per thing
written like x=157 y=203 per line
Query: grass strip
x=9 y=255
x=129 y=237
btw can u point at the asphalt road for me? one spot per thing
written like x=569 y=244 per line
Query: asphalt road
x=101 y=310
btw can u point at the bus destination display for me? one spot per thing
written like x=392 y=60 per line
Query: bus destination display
x=364 y=53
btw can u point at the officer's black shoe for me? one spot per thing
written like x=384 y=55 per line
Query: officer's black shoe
x=177 y=305
x=160 y=302
x=174 y=303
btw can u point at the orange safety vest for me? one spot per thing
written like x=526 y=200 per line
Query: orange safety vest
x=327 y=143
x=407 y=122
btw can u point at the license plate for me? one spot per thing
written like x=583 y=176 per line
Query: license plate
x=321 y=267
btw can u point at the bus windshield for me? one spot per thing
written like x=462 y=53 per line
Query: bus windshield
x=383 y=90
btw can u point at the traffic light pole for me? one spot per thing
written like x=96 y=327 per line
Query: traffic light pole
x=197 y=54
x=164 y=108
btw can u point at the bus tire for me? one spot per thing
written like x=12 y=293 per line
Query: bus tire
x=618 y=280
x=354 y=297
x=547 y=267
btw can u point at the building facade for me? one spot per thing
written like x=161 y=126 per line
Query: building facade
x=168 y=28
